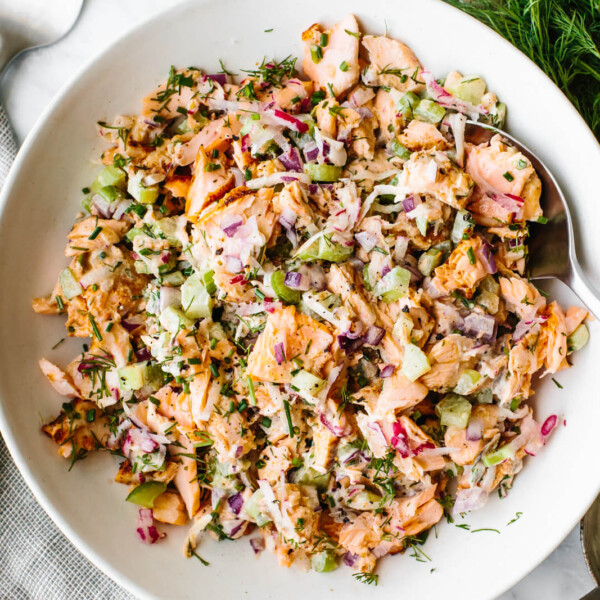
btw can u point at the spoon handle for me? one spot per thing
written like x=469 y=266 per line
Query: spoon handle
x=579 y=283
x=8 y=147
x=593 y=595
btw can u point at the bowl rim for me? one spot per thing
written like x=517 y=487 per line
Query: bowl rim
x=51 y=509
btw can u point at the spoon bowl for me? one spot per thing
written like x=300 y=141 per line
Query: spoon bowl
x=551 y=244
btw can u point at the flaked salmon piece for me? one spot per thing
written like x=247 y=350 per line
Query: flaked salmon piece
x=75 y=431
x=574 y=318
x=433 y=173
x=392 y=64
x=342 y=47
x=58 y=379
x=420 y=135
x=342 y=280
x=361 y=534
x=185 y=481
x=175 y=405
x=521 y=297
x=210 y=182
x=390 y=121
x=426 y=517
x=110 y=232
x=178 y=186
x=170 y=508
x=116 y=342
x=292 y=199
x=448 y=359
x=469 y=450
x=326 y=119
x=486 y=211
x=499 y=169
x=199 y=387
x=404 y=509
x=464 y=269
x=294 y=331
x=324 y=445
x=290 y=96
x=231 y=438
x=554 y=339
x=399 y=393
x=164 y=103
x=277 y=459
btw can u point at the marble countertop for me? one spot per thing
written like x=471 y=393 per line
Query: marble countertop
x=35 y=77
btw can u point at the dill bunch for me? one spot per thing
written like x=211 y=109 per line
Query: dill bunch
x=561 y=36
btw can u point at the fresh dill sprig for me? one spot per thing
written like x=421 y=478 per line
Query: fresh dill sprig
x=368 y=578
x=560 y=36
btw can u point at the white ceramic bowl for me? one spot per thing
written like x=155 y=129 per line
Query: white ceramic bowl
x=38 y=205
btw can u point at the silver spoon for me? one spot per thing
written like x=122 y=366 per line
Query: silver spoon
x=590 y=541
x=552 y=245
x=25 y=25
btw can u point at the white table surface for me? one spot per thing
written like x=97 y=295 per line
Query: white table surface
x=34 y=79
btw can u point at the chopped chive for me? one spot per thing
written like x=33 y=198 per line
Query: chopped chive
x=58 y=343
x=268 y=30
x=560 y=387
x=95 y=233
x=542 y=220
x=344 y=66
x=154 y=400
x=317 y=97
x=255 y=117
x=214 y=369
x=213 y=343
x=61 y=304
x=471 y=256
x=308 y=346
x=242 y=405
x=352 y=33
x=210 y=167
x=266 y=422
x=247 y=174
x=324 y=40
x=90 y=417
x=316 y=53
x=94 y=287
x=259 y=294
x=521 y=164
x=508 y=176
x=95 y=327
x=215 y=153
x=85 y=190
x=251 y=390
x=194 y=361
x=288 y=416
x=109 y=326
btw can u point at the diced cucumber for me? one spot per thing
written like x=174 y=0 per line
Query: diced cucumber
x=366 y=281
x=489 y=301
x=134 y=232
x=307 y=382
x=141 y=267
x=400 y=151
x=110 y=175
x=469 y=88
x=173 y=319
x=308 y=476
x=167 y=229
x=393 y=285
x=453 y=410
x=324 y=173
x=489 y=284
x=282 y=291
x=498 y=456
x=111 y=193
x=324 y=248
x=403 y=327
x=146 y=493
x=429 y=260
x=253 y=510
x=463 y=224
x=69 y=285
x=169 y=265
x=195 y=300
x=323 y=562
x=86 y=203
x=174 y=279
x=209 y=282
x=407 y=105
x=136 y=376
x=446 y=248
x=485 y=396
x=414 y=363
x=578 y=339
x=143 y=194
x=422 y=223
x=467 y=382
x=429 y=111
x=364 y=500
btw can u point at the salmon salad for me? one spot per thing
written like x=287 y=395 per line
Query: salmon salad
x=306 y=307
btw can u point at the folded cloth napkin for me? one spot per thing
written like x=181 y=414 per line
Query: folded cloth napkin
x=37 y=562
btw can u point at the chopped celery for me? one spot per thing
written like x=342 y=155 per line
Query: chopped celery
x=467 y=382
x=136 y=376
x=366 y=281
x=141 y=267
x=393 y=285
x=146 y=493
x=323 y=562
x=429 y=260
x=167 y=228
x=498 y=456
x=195 y=300
x=307 y=382
x=414 y=362
x=463 y=224
x=578 y=339
x=497 y=116
x=69 y=285
x=403 y=327
x=422 y=224
x=209 y=282
x=183 y=127
x=86 y=203
x=174 y=279
x=407 y=105
x=453 y=410
x=325 y=173
x=489 y=301
x=282 y=291
x=143 y=194
x=308 y=476
x=489 y=284
x=173 y=319
x=485 y=396
x=324 y=248
x=364 y=500
x=134 y=232
x=253 y=510
x=110 y=175
x=111 y=193
x=469 y=88
x=400 y=151
x=429 y=111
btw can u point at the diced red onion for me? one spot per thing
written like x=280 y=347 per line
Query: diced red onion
x=132 y=323
x=480 y=326
x=257 y=544
x=374 y=335
x=474 y=430
x=279 y=353
x=446 y=99
x=289 y=121
x=488 y=259
x=350 y=559
x=408 y=204
x=146 y=530
x=230 y=224
x=386 y=371
x=549 y=424
x=233 y=264
x=143 y=354
x=236 y=502
x=291 y=159
x=350 y=342
x=469 y=499
x=337 y=430
x=366 y=240
x=311 y=151
x=245 y=143
x=220 y=78
x=169 y=296
x=296 y=281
